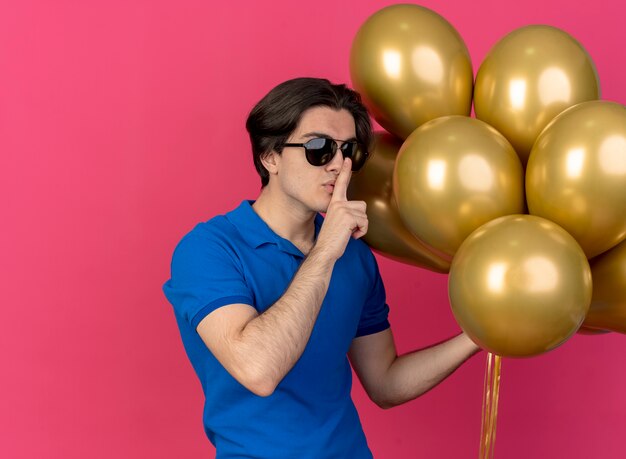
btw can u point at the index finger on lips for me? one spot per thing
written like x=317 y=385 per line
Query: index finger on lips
x=341 y=184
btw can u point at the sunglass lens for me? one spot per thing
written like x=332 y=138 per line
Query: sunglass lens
x=319 y=151
x=355 y=153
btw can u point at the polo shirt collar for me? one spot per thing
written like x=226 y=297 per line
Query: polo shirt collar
x=255 y=232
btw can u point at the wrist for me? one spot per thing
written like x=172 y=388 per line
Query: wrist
x=472 y=346
x=322 y=255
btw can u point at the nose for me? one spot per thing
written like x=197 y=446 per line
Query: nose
x=336 y=163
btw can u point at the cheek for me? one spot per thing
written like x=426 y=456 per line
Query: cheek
x=295 y=183
x=297 y=176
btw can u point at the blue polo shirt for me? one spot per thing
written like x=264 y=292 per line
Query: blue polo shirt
x=237 y=258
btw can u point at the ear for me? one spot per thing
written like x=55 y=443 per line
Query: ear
x=270 y=161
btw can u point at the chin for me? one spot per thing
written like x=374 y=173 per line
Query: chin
x=322 y=206
x=317 y=202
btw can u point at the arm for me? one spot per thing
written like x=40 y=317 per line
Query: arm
x=259 y=349
x=391 y=380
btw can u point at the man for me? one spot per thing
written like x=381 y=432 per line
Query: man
x=271 y=298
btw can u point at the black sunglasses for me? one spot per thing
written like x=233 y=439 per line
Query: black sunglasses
x=320 y=151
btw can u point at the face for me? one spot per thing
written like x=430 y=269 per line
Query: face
x=305 y=186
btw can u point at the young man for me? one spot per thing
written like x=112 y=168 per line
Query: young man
x=271 y=298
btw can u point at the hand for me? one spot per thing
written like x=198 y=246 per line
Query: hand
x=344 y=219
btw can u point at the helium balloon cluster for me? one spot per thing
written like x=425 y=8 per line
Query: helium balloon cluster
x=525 y=204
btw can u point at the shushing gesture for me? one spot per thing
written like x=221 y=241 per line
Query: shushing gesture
x=344 y=219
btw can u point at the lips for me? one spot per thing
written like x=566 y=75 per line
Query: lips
x=329 y=186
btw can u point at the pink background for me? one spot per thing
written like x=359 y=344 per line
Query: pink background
x=121 y=126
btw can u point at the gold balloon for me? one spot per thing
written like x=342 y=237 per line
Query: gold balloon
x=519 y=286
x=528 y=78
x=452 y=175
x=608 y=302
x=386 y=233
x=411 y=66
x=576 y=174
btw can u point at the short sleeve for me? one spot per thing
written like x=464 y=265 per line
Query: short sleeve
x=374 y=317
x=205 y=275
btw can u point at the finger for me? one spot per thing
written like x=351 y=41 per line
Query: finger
x=341 y=184
x=358 y=206
x=361 y=229
x=356 y=215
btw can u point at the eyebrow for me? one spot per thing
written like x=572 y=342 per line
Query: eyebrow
x=326 y=136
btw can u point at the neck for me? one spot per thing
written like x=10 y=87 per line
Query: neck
x=286 y=218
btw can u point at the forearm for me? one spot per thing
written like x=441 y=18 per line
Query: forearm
x=259 y=350
x=272 y=342
x=413 y=374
